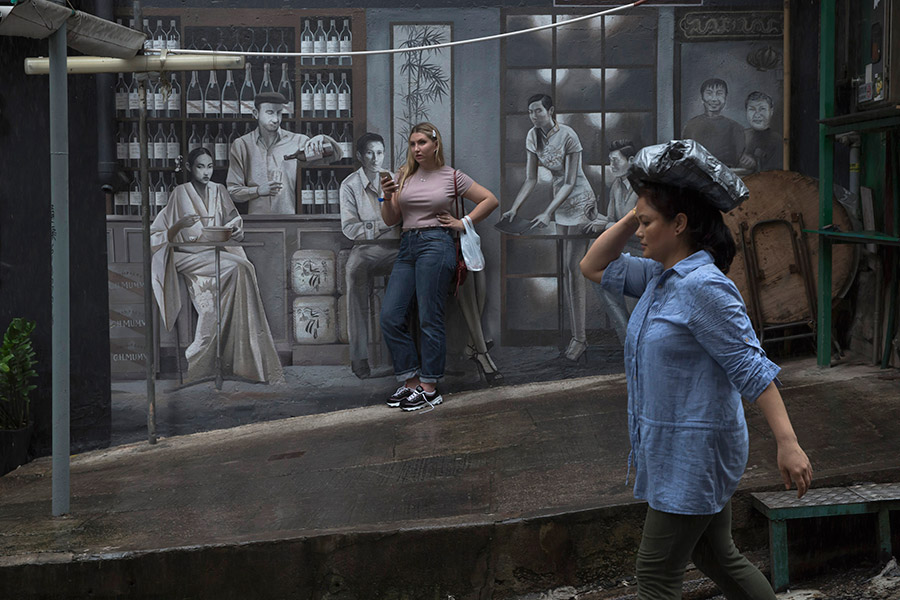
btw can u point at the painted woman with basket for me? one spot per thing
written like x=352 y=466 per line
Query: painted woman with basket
x=423 y=201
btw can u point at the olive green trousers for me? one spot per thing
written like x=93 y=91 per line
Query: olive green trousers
x=670 y=541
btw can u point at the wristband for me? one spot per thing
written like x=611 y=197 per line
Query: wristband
x=381 y=200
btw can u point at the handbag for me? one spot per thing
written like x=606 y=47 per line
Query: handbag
x=461 y=270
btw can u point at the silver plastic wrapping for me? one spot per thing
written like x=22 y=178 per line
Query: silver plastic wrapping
x=687 y=164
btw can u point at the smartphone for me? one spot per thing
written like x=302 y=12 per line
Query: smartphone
x=386 y=175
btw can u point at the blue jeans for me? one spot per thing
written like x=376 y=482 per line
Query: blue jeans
x=422 y=271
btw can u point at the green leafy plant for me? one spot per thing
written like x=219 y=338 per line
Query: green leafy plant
x=16 y=373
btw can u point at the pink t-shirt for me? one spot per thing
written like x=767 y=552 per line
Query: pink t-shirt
x=421 y=201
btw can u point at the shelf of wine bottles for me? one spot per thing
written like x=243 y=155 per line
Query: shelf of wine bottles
x=213 y=108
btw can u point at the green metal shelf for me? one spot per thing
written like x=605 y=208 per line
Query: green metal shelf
x=856 y=237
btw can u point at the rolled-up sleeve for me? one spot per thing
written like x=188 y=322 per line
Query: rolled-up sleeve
x=718 y=319
x=629 y=275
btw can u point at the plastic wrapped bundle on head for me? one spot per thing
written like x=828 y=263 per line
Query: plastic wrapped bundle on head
x=687 y=164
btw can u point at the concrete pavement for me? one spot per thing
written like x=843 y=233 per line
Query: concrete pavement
x=494 y=494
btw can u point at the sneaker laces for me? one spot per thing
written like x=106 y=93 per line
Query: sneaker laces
x=424 y=395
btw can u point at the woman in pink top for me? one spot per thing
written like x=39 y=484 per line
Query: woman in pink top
x=423 y=201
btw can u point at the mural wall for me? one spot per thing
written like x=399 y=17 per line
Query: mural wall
x=548 y=121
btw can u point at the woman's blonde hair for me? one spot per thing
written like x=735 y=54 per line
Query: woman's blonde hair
x=411 y=165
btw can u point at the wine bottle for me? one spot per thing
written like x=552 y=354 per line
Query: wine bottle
x=306 y=44
x=194 y=141
x=173 y=38
x=150 y=94
x=159 y=99
x=332 y=44
x=346 y=43
x=208 y=142
x=320 y=43
x=159 y=36
x=287 y=90
x=307 y=130
x=159 y=147
x=174 y=183
x=122 y=146
x=282 y=47
x=148 y=43
x=344 y=101
x=212 y=99
x=151 y=149
x=173 y=102
x=122 y=97
x=230 y=104
x=252 y=47
x=307 y=195
x=266 y=85
x=306 y=97
x=194 y=97
x=120 y=201
x=234 y=135
x=248 y=93
x=134 y=196
x=221 y=47
x=134 y=146
x=319 y=97
x=320 y=194
x=332 y=195
x=162 y=195
x=267 y=47
x=300 y=154
x=173 y=146
x=346 y=143
x=331 y=97
x=134 y=98
x=221 y=146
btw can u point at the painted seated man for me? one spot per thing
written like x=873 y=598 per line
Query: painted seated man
x=375 y=244
x=246 y=345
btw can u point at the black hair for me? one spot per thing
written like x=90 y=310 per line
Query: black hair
x=626 y=147
x=713 y=82
x=366 y=139
x=197 y=153
x=547 y=102
x=706 y=229
x=757 y=96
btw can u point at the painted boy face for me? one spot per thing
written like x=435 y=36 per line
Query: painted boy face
x=759 y=114
x=373 y=156
x=714 y=98
x=268 y=116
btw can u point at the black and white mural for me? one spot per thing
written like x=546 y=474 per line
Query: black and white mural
x=549 y=121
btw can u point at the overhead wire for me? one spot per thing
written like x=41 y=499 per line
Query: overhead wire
x=487 y=38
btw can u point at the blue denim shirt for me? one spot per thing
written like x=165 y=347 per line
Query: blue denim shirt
x=690 y=354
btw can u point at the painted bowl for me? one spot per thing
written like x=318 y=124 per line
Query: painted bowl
x=216 y=234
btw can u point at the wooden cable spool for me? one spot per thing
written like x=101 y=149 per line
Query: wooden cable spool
x=778 y=200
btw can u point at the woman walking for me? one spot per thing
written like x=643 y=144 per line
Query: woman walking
x=422 y=200
x=690 y=355
x=556 y=148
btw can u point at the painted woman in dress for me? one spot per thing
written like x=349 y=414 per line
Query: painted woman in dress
x=247 y=347
x=556 y=147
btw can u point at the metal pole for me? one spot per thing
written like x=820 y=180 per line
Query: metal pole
x=149 y=350
x=826 y=179
x=59 y=281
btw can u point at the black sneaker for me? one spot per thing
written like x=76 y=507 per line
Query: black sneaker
x=401 y=394
x=420 y=399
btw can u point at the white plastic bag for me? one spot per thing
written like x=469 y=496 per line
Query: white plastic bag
x=470 y=244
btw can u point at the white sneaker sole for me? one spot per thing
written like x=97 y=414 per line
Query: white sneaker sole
x=433 y=403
